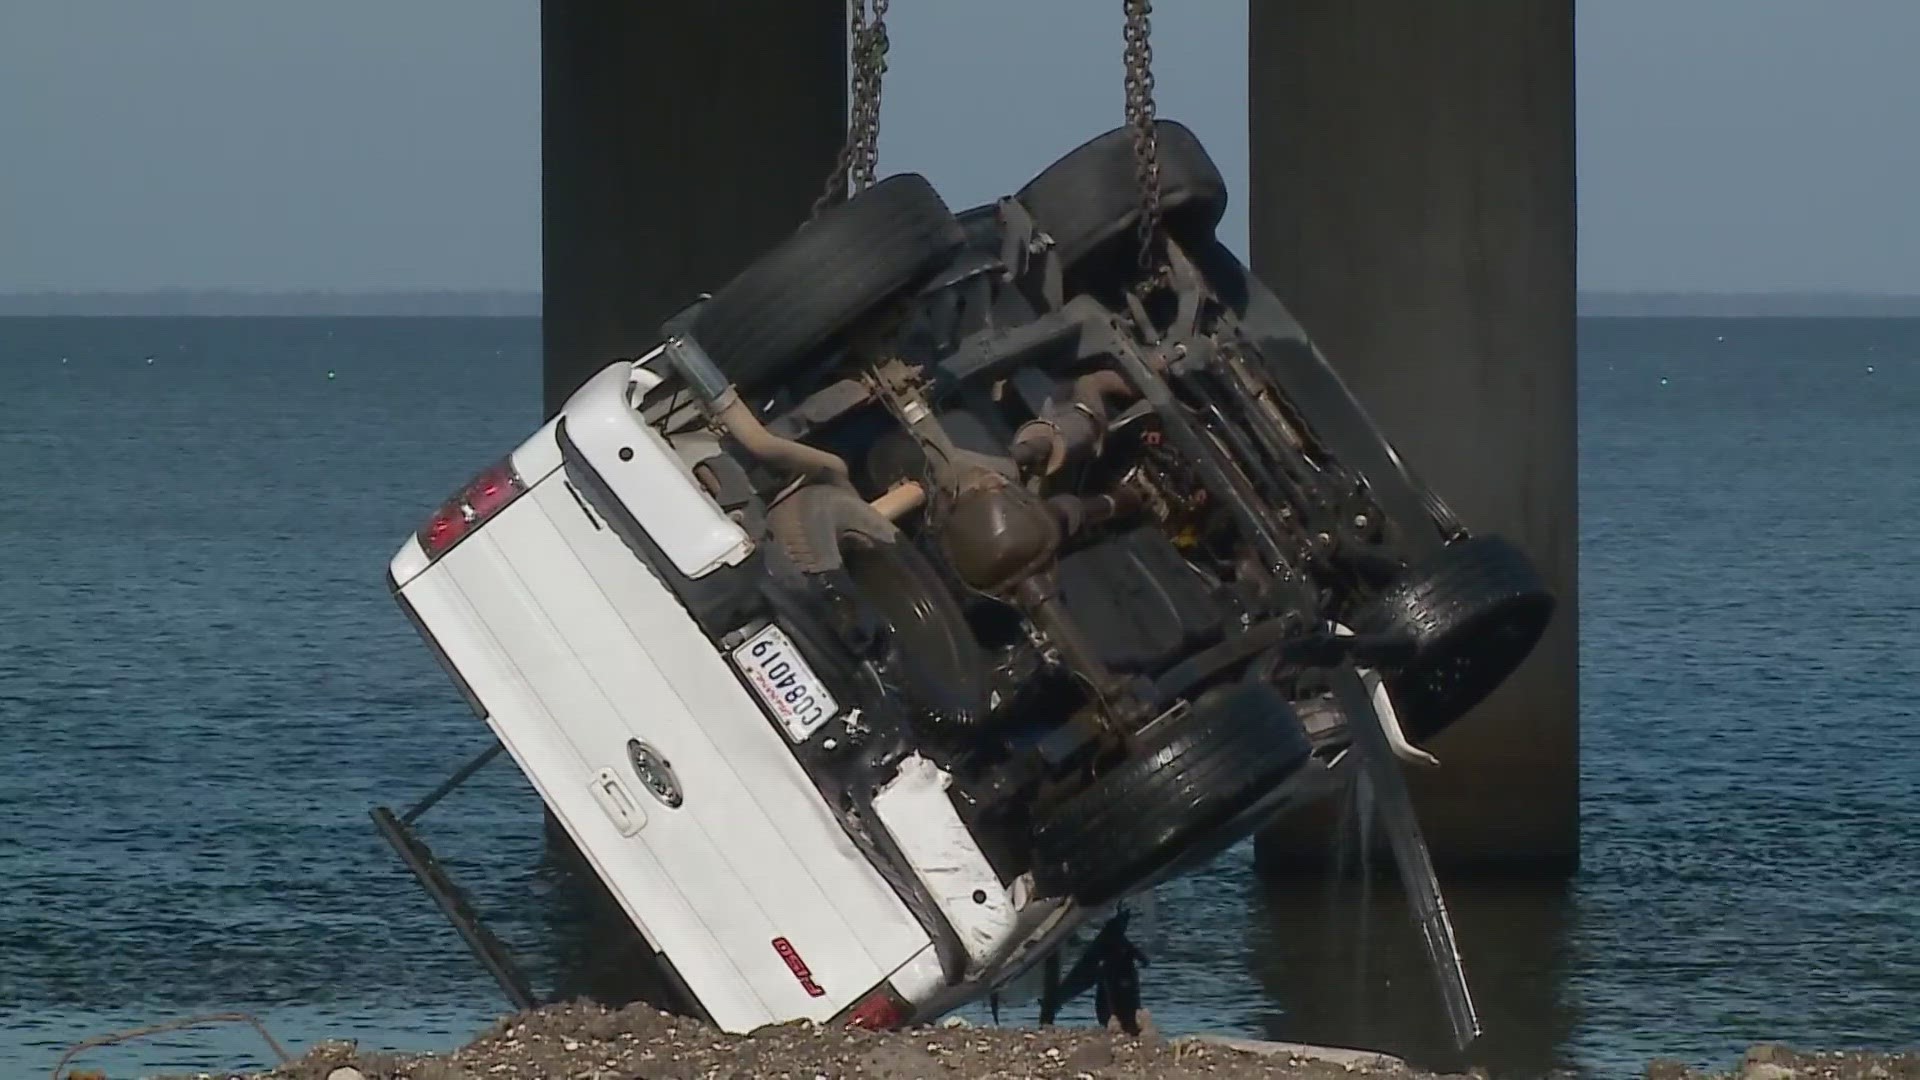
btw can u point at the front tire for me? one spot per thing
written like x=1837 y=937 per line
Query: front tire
x=1474 y=612
x=1186 y=779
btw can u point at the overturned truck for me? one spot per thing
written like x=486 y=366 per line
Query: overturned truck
x=943 y=580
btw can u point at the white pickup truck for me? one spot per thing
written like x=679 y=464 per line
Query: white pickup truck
x=936 y=585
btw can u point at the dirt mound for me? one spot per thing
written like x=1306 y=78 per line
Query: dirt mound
x=1771 y=1062
x=581 y=1040
x=589 y=1042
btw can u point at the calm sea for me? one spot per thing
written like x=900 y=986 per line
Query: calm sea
x=204 y=686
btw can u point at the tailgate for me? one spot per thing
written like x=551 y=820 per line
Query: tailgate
x=591 y=673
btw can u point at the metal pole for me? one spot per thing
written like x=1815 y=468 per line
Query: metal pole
x=451 y=782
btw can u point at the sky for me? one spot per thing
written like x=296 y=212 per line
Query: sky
x=1724 y=145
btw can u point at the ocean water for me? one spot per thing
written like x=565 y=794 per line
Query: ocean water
x=204 y=687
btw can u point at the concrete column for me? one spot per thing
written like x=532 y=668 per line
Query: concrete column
x=680 y=139
x=1413 y=203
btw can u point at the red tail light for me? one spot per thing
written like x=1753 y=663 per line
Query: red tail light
x=492 y=490
x=881 y=1010
x=484 y=497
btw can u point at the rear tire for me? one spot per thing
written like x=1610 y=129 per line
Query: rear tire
x=1474 y=611
x=1089 y=200
x=1168 y=803
x=886 y=241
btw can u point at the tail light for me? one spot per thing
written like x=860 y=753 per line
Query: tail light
x=881 y=1010
x=481 y=499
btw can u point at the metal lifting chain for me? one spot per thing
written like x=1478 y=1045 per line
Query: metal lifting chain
x=861 y=153
x=1140 y=116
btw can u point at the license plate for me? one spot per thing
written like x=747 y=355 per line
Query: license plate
x=790 y=689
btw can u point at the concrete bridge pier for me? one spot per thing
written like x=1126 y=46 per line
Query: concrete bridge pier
x=1413 y=203
x=678 y=140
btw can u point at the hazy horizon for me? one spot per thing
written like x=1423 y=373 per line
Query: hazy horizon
x=526 y=303
x=1723 y=145
x=455 y=290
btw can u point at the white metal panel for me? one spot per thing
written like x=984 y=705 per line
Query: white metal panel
x=537 y=741
x=407 y=562
x=538 y=456
x=720 y=708
x=919 y=814
x=725 y=852
x=752 y=855
x=571 y=734
x=921 y=980
x=651 y=480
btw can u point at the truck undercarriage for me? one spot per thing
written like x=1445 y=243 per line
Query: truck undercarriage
x=1108 y=546
x=1089 y=545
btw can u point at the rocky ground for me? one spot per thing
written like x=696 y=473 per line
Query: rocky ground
x=586 y=1042
x=1782 y=1063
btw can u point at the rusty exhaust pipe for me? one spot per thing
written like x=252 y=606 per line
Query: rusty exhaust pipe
x=900 y=500
x=724 y=404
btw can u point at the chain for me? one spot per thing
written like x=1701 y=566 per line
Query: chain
x=1140 y=116
x=860 y=155
x=870 y=65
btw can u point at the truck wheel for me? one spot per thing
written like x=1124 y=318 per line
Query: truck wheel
x=888 y=240
x=1089 y=200
x=1474 y=611
x=925 y=646
x=1185 y=780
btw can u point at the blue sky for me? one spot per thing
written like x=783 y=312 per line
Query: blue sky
x=1735 y=145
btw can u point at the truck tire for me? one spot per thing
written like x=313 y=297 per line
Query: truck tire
x=1089 y=200
x=1474 y=612
x=1187 y=778
x=924 y=643
x=888 y=240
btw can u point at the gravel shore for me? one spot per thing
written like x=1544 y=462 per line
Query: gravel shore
x=588 y=1042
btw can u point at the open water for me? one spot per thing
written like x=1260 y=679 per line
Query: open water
x=204 y=687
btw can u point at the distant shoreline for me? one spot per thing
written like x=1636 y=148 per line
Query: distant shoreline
x=177 y=303
x=1747 y=305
